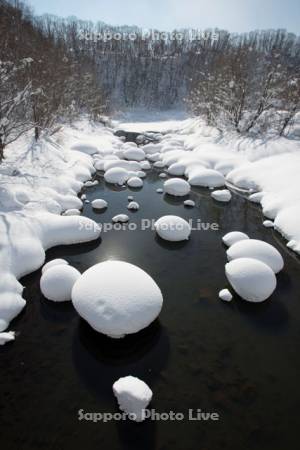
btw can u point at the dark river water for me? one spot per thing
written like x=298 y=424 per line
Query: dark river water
x=239 y=360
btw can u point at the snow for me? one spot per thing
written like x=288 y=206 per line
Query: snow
x=91 y=183
x=233 y=237
x=159 y=190
x=72 y=212
x=99 y=203
x=225 y=295
x=145 y=165
x=117 y=298
x=39 y=181
x=7 y=337
x=57 y=282
x=287 y=223
x=177 y=187
x=163 y=175
x=135 y=182
x=172 y=228
x=206 y=178
x=134 y=154
x=177 y=169
x=256 y=197
x=256 y=249
x=189 y=203
x=251 y=279
x=54 y=262
x=123 y=218
x=133 y=206
x=222 y=195
x=133 y=396
x=159 y=164
x=268 y=223
x=130 y=197
x=116 y=175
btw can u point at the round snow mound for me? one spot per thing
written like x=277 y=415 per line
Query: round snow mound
x=206 y=177
x=134 y=154
x=260 y=250
x=54 y=262
x=233 y=237
x=122 y=218
x=189 y=203
x=134 y=206
x=135 y=182
x=57 y=282
x=222 y=196
x=116 y=175
x=99 y=203
x=177 y=187
x=225 y=295
x=251 y=279
x=133 y=396
x=176 y=169
x=172 y=228
x=117 y=298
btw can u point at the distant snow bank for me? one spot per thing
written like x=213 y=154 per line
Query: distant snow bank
x=38 y=182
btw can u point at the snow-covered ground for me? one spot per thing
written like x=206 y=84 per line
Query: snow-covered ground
x=40 y=181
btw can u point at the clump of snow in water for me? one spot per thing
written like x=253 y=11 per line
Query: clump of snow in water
x=72 y=212
x=117 y=298
x=159 y=190
x=7 y=337
x=87 y=201
x=116 y=175
x=141 y=174
x=154 y=157
x=233 y=237
x=177 y=169
x=99 y=203
x=163 y=175
x=123 y=218
x=177 y=187
x=54 y=262
x=127 y=165
x=130 y=197
x=256 y=249
x=91 y=183
x=145 y=165
x=256 y=197
x=225 y=295
x=134 y=154
x=206 y=178
x=159 y=164
x=83 y=197
x=133 y=206
x=135 y=182
x=268 y=223
x=57 y=282
x=189 y=203
x=222 y=195
x=172 y=228
x=251 y=279
x=133 y=396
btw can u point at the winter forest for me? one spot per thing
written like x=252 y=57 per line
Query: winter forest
x=149 y=224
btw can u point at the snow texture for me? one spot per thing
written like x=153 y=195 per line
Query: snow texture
x=172 y=228
x=133 y=396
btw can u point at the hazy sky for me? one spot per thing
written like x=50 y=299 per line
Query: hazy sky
x=233 y=15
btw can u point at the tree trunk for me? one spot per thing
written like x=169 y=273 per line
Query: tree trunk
x=36 y=133
x=1 y=149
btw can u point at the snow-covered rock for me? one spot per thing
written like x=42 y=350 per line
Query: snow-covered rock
x=206 y=178
x=159 y=164
x=133 y=396
x=116 y=175
x=91 y=183
x=172 y=228
x=234 y=236
x=99 y=203
x=251 y=279
x=256 y=197
x=256 y=249
x=268 y=223
x=176 y=169
x=54 y=262
x=72 y=212
x=117 y=298
x=225 y=295
x=222 y=195
x=57 y=282
x=145 y=165
x=135 y=182
x=122 y=218
x=130 y=198
x=134 y=206
x=134 y=154
x=177 y=187
x=159 y=190
x=7 y=337
x=162 y=175
x=189 y=203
